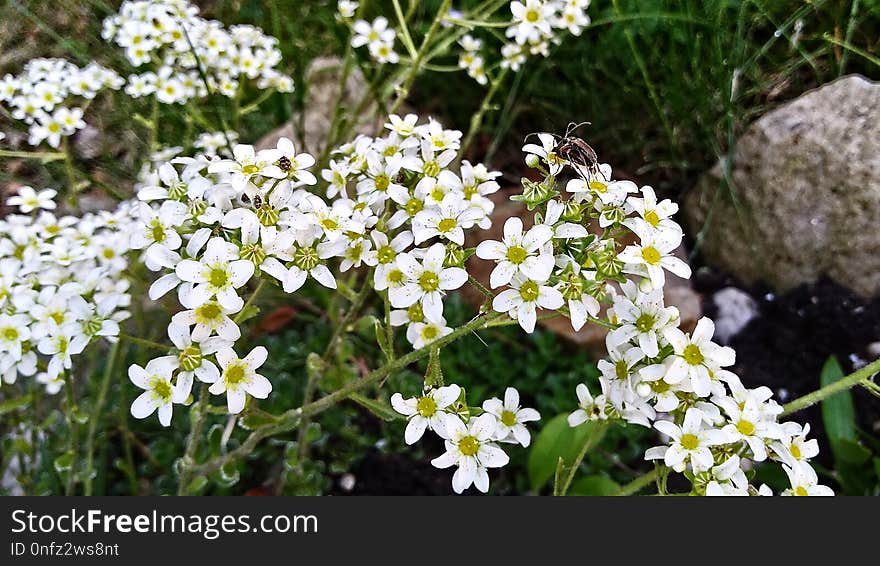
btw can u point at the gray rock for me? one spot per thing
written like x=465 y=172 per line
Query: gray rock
x=805 y=199
x=735 y=309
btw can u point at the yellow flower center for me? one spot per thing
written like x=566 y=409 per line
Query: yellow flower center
x=469 y=445
x=645 y=322
x=431 y=169
x=598 y=186
x=532 y=16
x=208 y=313
x=801 y=491
x=429 y=281
x=689 y=441
x=430 y=332
x=651 y=255
x=396 y=276
x=745 y=428
x=386 y=254
x=10 y=334
x=382 y=182
x=620 y=370
x=447 y=225
x=508 y=418
x=693 y=355
x=218 y=277
x=529 y=291
x=516 y=254
x=426 y=406
x=652 y=218
x=234 y=375
x=160 y=388
x=250 y=169
x=414 y=206
x=795 y=451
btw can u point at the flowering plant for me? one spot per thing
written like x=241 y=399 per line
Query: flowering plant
x=385 y=227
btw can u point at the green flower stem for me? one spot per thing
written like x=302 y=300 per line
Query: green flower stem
x=419 y=57
x=291 y=419
x=316 y=371
x=73 y=440
x=97 y=409
x=389 y=330
x=480 y=287
x=477 y=119
x=406 y=38
x=44 y=156
x=250 y=301
x=589 y=443
x=638 y=484
x=187 y=466
x=144 y=342
x=865 y=374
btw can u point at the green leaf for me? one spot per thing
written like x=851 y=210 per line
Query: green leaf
x=838 y=412
x=382 y=338
x=853 y=453
x=594 y=485
x=11 y=405
x=556 y=440
x=256 y=419
x=378 y=408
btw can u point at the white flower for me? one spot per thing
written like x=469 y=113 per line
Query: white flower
x=748 y=425
x=643 y=317
x=208 y=318
x=449 y=220
x=518 y=253
x=589 y=408
x=653 y=254
x=218 y=274
x=531 y=20
x=159 y=392
x=420 y=334
x=656 y=215
x=247 y=164
x=470 y=448
x=426 y=412
x=426 y=282
x=689 y=442
x=239 y=377
x=794 y=447
x=553 y=161
x=804 y=481
x=511 y=417
x=696 y=358
x=368 y=34
x=293 y=164
x=28 y=199
x=522 y=301
x=192 y=356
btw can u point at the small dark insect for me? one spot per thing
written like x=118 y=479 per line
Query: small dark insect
x=257 y=200
x=284 y=163
x=576 y=151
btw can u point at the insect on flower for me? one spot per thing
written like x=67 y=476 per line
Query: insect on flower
x=576 y=151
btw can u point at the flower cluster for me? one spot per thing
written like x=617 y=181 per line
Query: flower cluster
x=209 y=225
x=611 y=243
x=50 y=96
x=533 y=26
x=61 y=286
x=471 y=434
x=178 y=45
x=412 y=211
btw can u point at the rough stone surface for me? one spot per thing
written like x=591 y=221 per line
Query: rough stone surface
x=806 y=188
x=323 y=77
x=678 y=292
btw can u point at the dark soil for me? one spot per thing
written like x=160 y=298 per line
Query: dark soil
x=786 y=345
